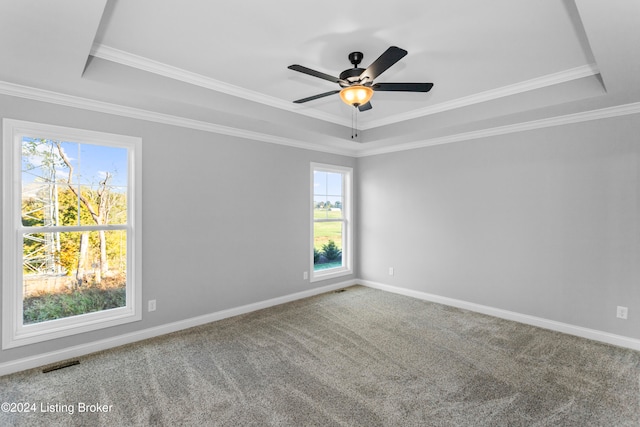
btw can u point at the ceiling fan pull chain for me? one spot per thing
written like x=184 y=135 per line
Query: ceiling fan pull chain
x=354 y=123
x=356 y=116
x=352 y=113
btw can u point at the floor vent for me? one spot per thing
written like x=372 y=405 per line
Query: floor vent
x=338 y=291
x=60 y=366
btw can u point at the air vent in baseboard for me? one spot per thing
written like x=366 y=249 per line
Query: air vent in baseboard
x=60 y=366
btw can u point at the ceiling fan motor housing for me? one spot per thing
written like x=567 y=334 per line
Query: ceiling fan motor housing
x=351 y=75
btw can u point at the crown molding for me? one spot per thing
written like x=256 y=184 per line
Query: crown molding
x=145 y=64
x=135 y=61
x=603 y=113
x=43 y=95
x=490 y=95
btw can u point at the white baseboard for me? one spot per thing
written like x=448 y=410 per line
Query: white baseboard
x=92 y=347
x=592 y=334
x=84 y=349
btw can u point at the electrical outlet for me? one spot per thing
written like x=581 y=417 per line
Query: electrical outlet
x=152 y=305
x=390 y=271
x=622 y=312
x=305 y=275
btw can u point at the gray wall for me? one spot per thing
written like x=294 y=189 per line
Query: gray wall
x=543 y=223
x=225 y=220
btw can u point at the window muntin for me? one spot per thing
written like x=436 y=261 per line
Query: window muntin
x=72 y=236
x=331 y=221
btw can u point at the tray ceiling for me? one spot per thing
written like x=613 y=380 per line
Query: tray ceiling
x=224 y=68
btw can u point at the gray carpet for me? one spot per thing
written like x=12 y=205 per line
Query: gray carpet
x=359 y=357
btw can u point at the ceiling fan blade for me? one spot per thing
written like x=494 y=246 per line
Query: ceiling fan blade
x=313 y=73
x=365 y=107
x=402 y=87
x=380 y=65
x=311 y=98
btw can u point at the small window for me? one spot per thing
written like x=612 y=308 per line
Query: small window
x=331 y=233
x=71 y=232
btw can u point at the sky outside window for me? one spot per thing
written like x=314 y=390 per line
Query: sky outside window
x=327 y=187
x=90 y=162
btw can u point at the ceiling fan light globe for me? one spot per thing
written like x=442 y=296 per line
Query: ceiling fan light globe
x=356 y=95
x=349 y=96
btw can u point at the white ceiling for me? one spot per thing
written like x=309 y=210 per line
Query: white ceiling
x=496 y=64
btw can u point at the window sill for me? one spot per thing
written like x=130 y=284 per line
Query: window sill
x=330 y=273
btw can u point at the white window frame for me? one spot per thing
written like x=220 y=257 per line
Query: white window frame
x=14 y=332
x=347 y=228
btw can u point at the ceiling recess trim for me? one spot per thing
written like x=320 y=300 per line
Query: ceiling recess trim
x=135 y=61
x=42 y=95
x=145 y=64
x=490 y=95
x=584 y=116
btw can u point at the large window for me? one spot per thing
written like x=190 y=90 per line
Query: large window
x=71 y=232
x=331 y=232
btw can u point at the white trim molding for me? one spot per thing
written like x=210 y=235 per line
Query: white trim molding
x=565 y=328
x=146 y=64
x=15 y=332
x=346 y=220
x=490 y=95
x=43 y=95
x=38 y=360
x=359 y=150
x=585 y=116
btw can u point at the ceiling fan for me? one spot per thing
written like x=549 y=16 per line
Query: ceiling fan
x=357 y=83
